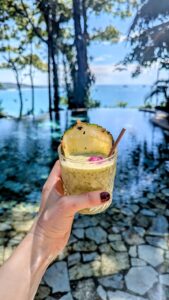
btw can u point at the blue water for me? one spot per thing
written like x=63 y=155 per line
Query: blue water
x=108 y=95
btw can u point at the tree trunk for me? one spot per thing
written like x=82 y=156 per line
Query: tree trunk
x=19 y=91
x=81 y=80
x=49 y=83
x=54 y=53
x=67 y=85
x=49 y=43
x=32 y=83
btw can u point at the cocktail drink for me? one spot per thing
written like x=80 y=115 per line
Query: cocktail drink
x=86 y=163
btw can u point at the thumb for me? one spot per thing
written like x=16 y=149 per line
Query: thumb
x=75 y=203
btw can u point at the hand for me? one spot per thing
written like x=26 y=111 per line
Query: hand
x=57 y=211
x=22 y=272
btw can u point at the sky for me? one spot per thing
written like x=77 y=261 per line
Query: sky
x=105 y=56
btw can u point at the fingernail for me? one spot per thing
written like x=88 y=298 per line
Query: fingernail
x=104 y=196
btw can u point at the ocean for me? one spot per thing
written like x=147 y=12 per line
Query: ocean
x=108 y=95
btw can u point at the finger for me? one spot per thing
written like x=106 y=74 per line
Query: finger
x=75 y=203
x=59 y=186
x=49 y=184
x=54 y=174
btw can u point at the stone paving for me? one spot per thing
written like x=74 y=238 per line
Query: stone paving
x=118 y=255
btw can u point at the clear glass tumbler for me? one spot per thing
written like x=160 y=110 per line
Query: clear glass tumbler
x=80 y=177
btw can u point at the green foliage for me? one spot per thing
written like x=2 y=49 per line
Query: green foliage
x=122 y=104
x=91 y=103
x=63 y=101
x=1 y=110
x=149 y=34
x=110 y=33
x=149 y=38
x=147 y=105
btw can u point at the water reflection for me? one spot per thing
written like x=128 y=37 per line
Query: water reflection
x=28 y=150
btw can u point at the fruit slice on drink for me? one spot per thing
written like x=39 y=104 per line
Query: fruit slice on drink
x=85 y=138
x=86 y=162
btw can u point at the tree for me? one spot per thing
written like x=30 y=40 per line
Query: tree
x=82 y=9
x=15 y=30
x=149 y=38
x=61 y=26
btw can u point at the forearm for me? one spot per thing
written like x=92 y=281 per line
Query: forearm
x=22 y=273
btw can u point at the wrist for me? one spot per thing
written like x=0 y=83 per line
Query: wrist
x=43 y=251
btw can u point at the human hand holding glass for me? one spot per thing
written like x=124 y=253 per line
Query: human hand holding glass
x=22 y=272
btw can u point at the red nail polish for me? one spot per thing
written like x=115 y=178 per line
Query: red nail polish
x=104 y=196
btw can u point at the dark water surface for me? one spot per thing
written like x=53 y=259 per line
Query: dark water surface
x=125 y=250
x=28 y=151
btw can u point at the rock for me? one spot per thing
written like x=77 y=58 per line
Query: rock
x=42 y=293
x=140 y=279
x=133 y=251
x=105 y=265
x=106 y=248
x=63 y=254
x=135 y=208
x=143 y=221
x=157 y=292
x=86 y=221
x=157 y=242
x=1 y=211
x=90 y=256
x=127 y=211
x=79 y=233
x=23 y=226
x=72 y=240
x=150 y=196
x=15 y=187
x=34 y=197
x=5 y=227
x=16 y=239
x=152 y=255
x=159 y=226
x=141 y=200
x=131 y=238
x=57 y=277
x=147 y=212
x=85 y=290
x=101 y=293
x=105 y=224
x=114 y=237
x=116 y=229
x=139 y=230
x=136 y=262
x=67 y=297
x=111 y=264
x=164 y=279
x=118 y=246
x=80 y=270
x=165 y=192
x=118 y=295
x=167 y=255
x=2 y=179
x=85 y=246
x=73 y=259
x=167 y=212
x=96 y=234
x=3 y=241
x=7 y=252
x=2 y=248
x=113 y=281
